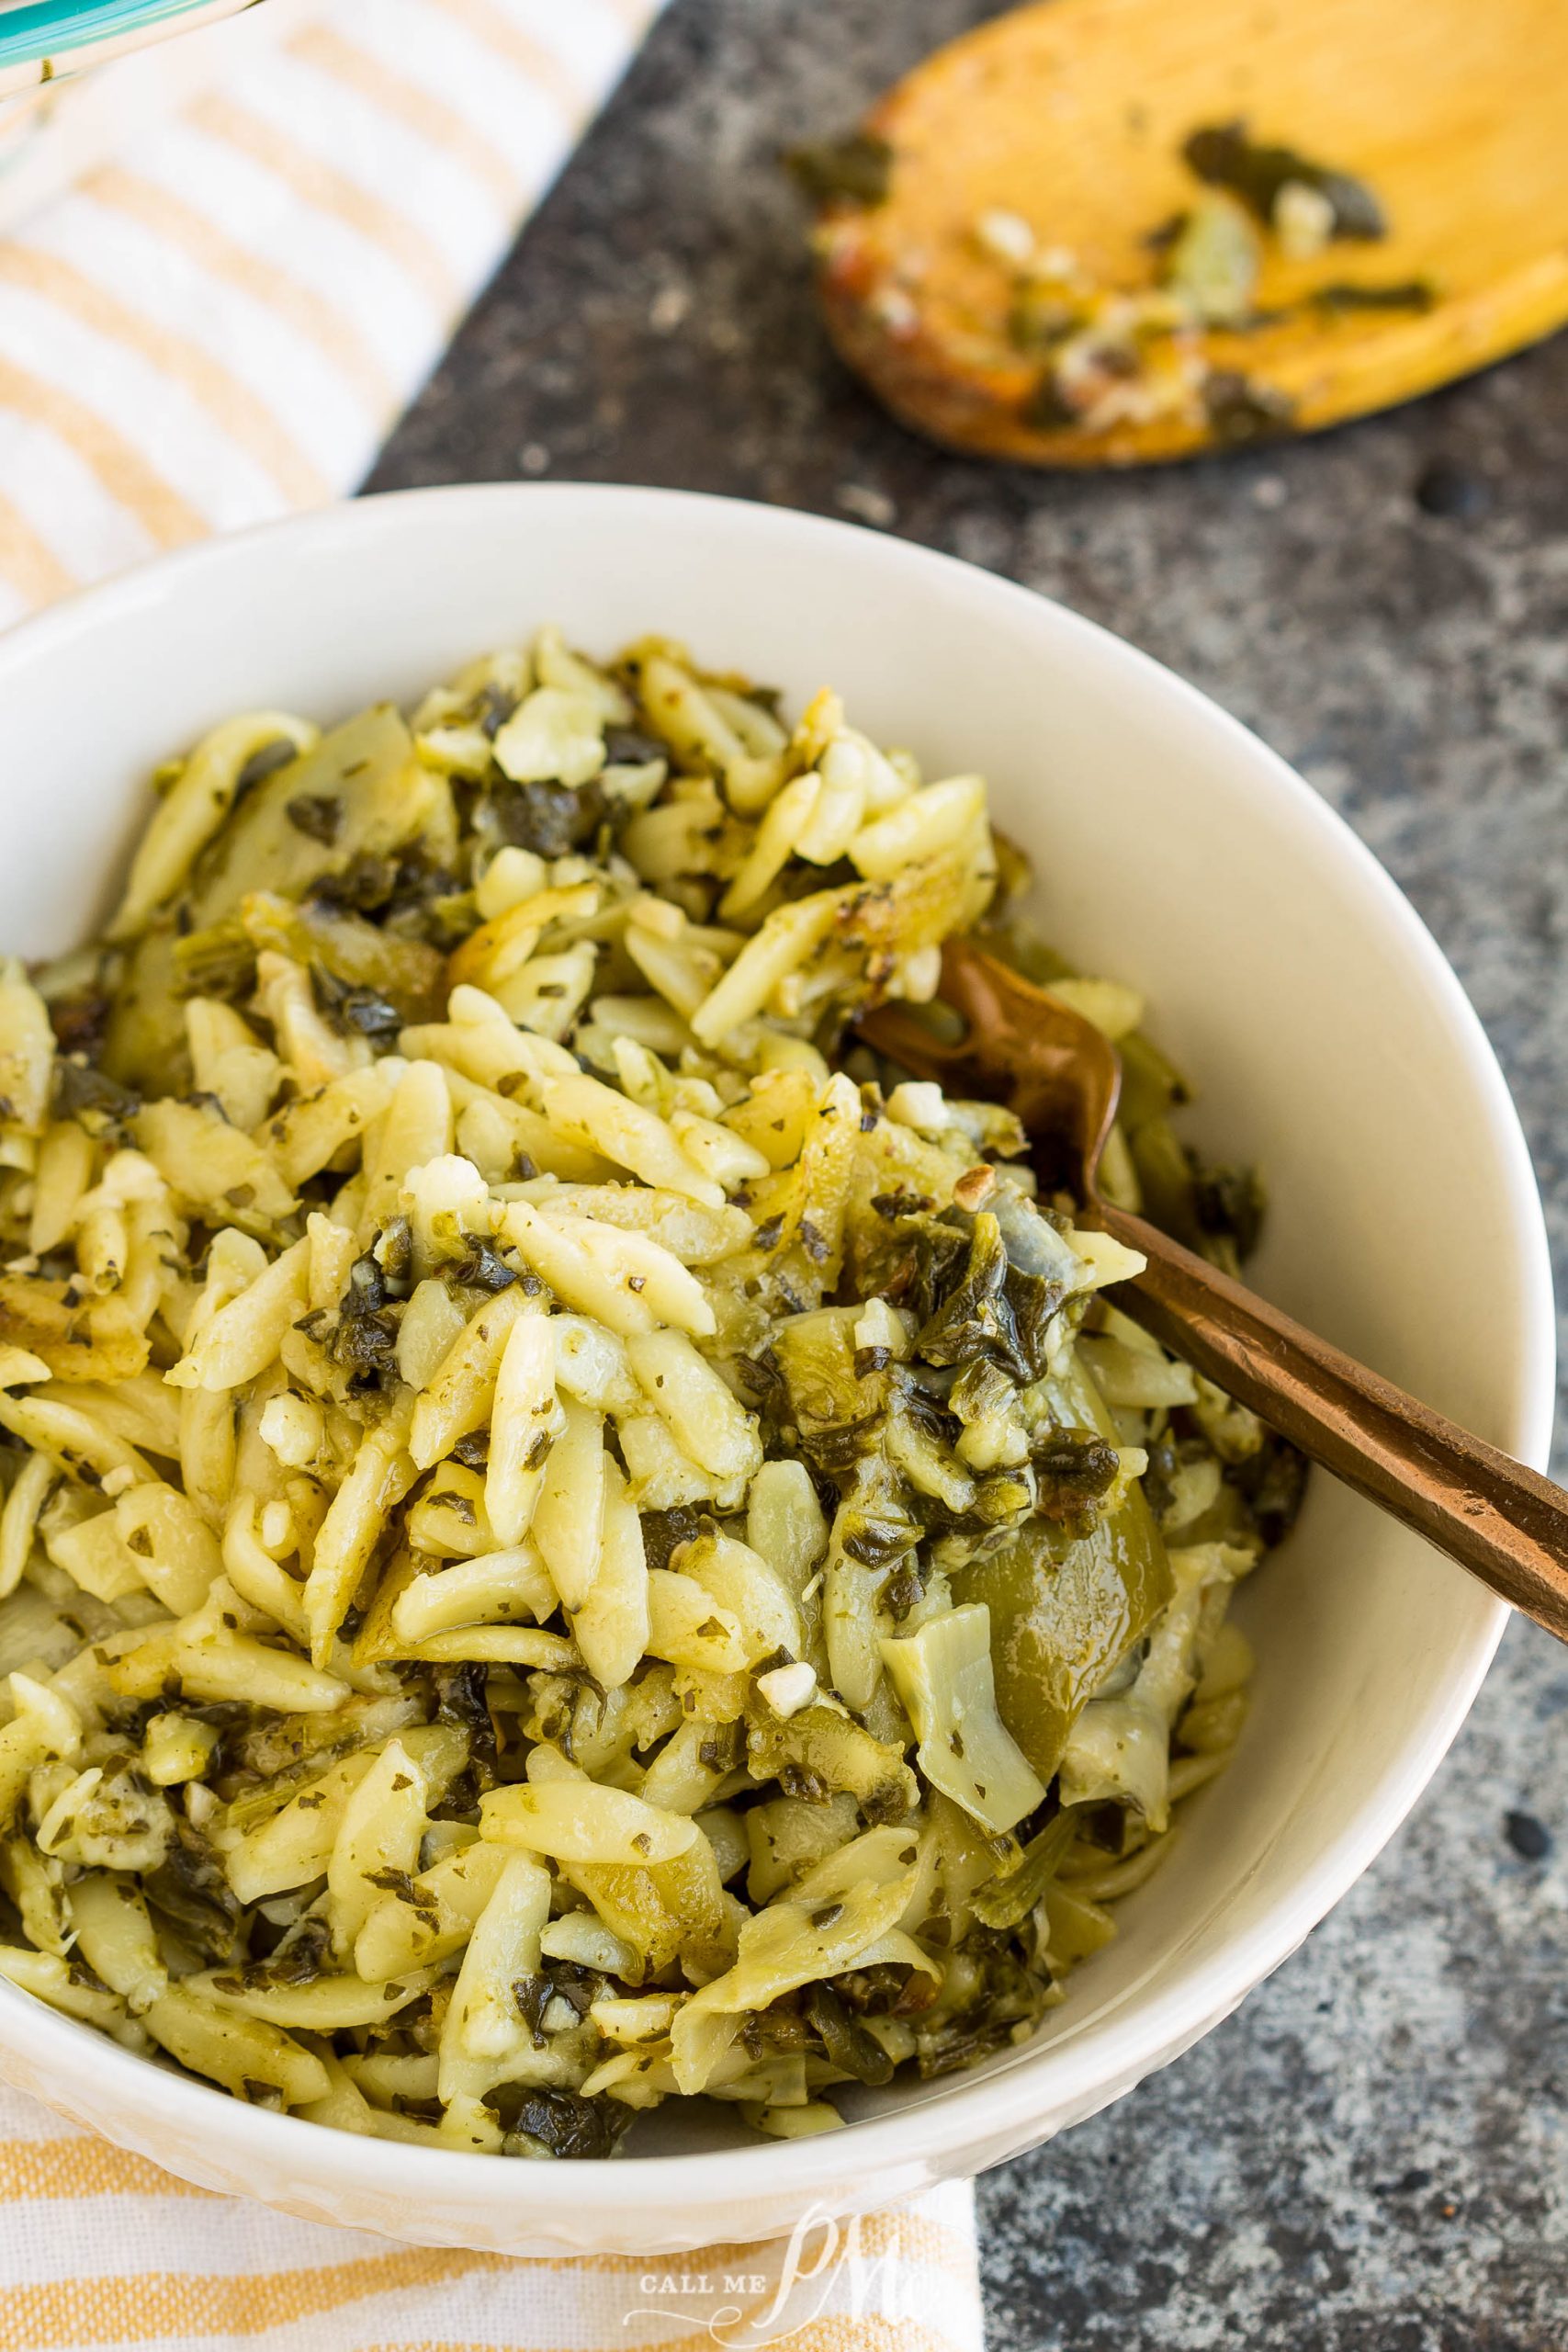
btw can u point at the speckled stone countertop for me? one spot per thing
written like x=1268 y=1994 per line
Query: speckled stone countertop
x=1372 y=2157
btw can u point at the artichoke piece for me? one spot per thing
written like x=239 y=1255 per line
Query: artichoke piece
x=1064 y=1608
x=666 y=1911
x=365 y=769
x=821 y=1750
x=944 y=1676
x=384 y=796
x=1062 y=1614
x=788 y=1835
x=362 y=962
x=815 y=1354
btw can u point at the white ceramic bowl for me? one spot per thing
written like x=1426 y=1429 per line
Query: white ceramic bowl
x=1331 y=1042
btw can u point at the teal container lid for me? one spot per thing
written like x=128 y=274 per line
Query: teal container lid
x=53 y=29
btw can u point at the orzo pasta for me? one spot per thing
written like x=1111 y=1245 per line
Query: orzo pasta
x=570 y=1538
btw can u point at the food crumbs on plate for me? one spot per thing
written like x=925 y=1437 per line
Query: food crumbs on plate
x=1119 y=355
x=989 y=330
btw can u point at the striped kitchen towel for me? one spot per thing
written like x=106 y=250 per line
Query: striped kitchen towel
x=222 y=323
x=216 y=326
x=101 y=2249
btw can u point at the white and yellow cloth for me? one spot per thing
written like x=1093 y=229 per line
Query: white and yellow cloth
x=102 y=2250
x=222 y=323
x=216 y=326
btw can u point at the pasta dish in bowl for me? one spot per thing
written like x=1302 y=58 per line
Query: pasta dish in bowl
x=591 y=1571
x=575 y=1538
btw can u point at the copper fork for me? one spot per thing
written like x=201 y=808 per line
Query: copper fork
x=1504 y=1524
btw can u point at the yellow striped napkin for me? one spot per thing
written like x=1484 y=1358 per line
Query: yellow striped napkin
x=220 y=324
x=102 y=2249
x=217 y=326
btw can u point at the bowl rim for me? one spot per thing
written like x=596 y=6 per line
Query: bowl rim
x=1086 y=2069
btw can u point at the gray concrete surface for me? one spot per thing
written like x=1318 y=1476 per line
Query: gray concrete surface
x=1373 y=2155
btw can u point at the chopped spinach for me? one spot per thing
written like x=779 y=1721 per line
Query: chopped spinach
x=1339 y=298
x=549 y=819
x=565 y=2125
x=846 y=2043
x=1227 y=156
x=857 y=169
x=317 y=814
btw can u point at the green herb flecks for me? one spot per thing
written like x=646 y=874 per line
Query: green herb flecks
x=1338 y=299
x=1227 y=156
x=854 y=170
x=1240 y=411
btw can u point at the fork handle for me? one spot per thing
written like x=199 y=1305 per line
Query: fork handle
x=1506 y=1525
